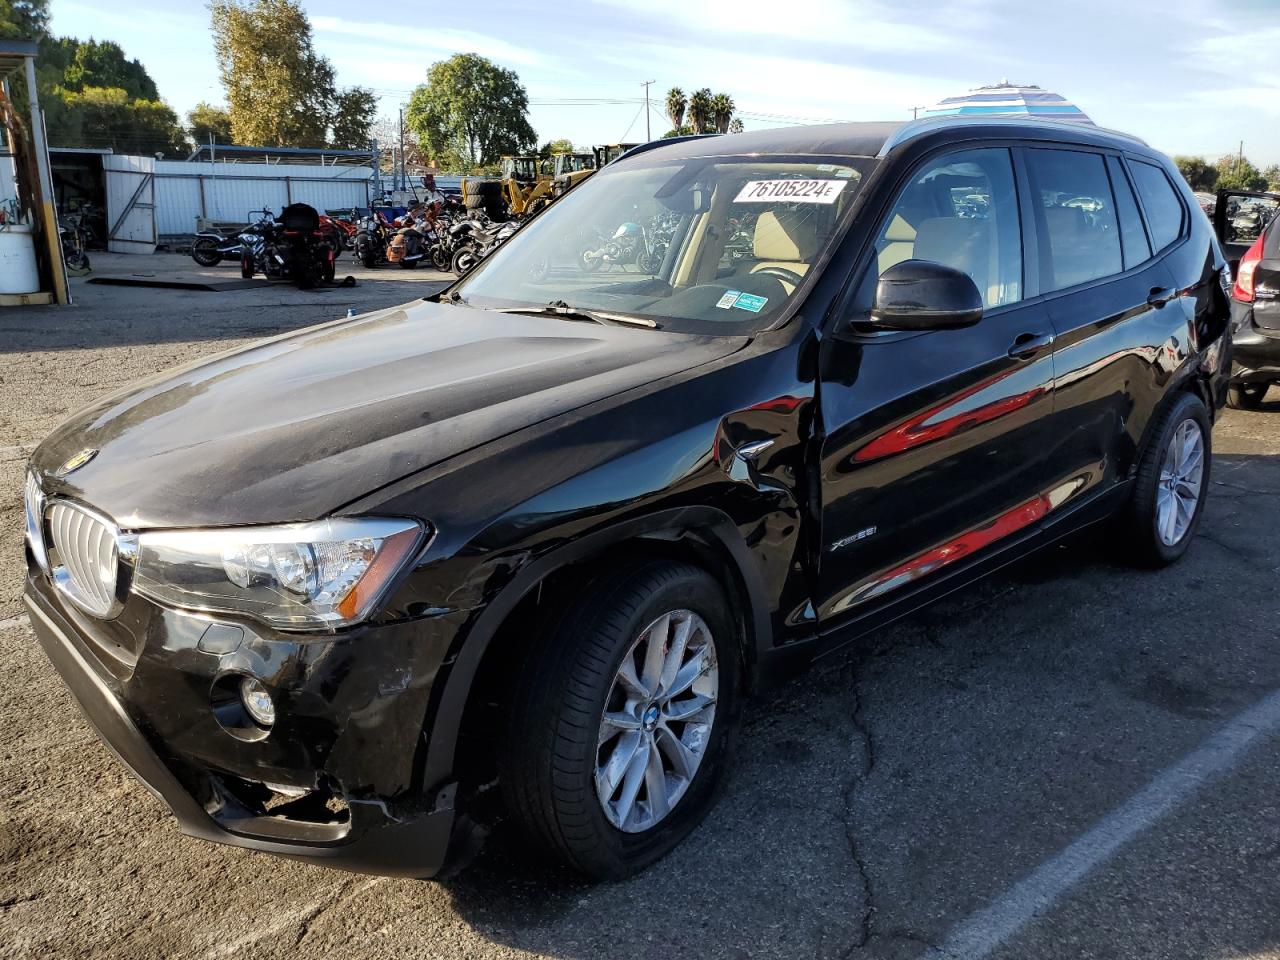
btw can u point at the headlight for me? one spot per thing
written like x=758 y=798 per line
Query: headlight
x=299 y=576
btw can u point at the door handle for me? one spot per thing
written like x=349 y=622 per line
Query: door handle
x=1159 y=296
x=1027 y=345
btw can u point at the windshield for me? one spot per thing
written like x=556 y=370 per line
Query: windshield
x=709 y=246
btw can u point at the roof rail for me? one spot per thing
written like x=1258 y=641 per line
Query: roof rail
x=667 y=141
x=918 y=128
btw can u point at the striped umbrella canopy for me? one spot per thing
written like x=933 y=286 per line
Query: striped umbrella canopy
x=1006 y=99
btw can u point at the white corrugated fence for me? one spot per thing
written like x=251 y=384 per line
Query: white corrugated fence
x=230 y=191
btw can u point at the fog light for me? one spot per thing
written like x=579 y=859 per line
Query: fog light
x=257 y=701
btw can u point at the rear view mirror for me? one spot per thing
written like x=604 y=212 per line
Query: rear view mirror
x=923 y=295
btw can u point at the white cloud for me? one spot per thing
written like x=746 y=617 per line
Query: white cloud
x=858 y=24
x=423 y=45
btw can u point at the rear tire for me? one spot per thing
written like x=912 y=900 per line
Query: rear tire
x=204 y=251
x=1247 y=396
x=558 y=755
x=1165 y=479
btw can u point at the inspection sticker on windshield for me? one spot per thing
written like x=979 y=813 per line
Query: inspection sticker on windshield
x=790 y=191
x=743 y=301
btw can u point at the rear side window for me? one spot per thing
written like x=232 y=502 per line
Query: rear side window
x=1133 y=238
x=1077 y=217
x=1160 y=201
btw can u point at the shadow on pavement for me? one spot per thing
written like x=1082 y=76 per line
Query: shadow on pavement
x=905 y=782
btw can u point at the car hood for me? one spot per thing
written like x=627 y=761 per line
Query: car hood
x=294 y=427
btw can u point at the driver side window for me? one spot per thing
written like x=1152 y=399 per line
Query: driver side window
x=960 y=210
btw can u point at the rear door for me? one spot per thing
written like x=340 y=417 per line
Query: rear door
x=1239 y=217
x=1110 y=297
x=933 y=444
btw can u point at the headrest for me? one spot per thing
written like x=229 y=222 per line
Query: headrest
x=787 y=235
x=958 y=243
x=1064 y=221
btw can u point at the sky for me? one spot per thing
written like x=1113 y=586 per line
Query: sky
x=1186 y=75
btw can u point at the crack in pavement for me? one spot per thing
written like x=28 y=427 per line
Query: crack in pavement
x=866 y=748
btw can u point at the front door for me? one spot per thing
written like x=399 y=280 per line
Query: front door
x=933 y=448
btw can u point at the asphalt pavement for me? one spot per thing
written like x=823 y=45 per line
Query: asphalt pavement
x=1073 y=759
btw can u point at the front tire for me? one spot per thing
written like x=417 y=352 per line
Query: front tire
x=1171 y=484
x=1246 y=396
x=621 y=727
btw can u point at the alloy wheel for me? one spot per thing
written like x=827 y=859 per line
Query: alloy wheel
x=1181 y=473
x=657 y=721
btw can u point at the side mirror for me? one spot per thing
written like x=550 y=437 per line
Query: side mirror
x=923 y=295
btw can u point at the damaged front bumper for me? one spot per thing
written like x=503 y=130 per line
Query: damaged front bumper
x=333 y=780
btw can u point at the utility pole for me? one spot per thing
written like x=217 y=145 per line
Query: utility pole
x=648 y=134
x=915 y=112
x=403 y=177
x=1240 y=159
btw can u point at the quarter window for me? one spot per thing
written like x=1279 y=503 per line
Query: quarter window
x=962 y=211
x=1133 y=238
x=1077 y=217
x=1164 y=210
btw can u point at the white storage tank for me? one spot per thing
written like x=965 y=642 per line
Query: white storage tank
x=18 y=273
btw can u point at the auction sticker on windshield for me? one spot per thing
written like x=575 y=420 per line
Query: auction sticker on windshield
x=790 y=191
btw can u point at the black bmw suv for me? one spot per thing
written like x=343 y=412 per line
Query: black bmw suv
x=537 y=538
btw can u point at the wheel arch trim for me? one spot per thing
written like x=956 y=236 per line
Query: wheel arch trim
x=444 y=722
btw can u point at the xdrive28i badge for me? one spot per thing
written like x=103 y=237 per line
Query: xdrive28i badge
x=76 y=462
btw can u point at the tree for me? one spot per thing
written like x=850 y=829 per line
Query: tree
x=562 y=145
x=735 y=126
x=677 y=103
x=722 y=107
x=95 y=96
x=1199 y=174
x=205 y=121
x=279 y=90
x=1237 y=173
x=76 y=64
x=701 y=111
x=353 y=116
x=24 y=19
x=1272 y=176
x=109 y=117
x=470 y=112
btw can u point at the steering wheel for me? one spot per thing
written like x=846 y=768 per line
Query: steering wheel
x=782 y=273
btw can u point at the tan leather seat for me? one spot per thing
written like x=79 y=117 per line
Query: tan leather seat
x=899 y=241
x=962 y=244
x=787 y=239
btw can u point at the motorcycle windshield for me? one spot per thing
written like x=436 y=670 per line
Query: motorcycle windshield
x=712 y=245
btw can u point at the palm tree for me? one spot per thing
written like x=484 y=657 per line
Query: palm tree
x=735 y=126
x=722 y=112
x=676 y=106
x=701 y=111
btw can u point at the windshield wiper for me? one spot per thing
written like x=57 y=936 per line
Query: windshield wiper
x=558 y=308
x=453 y=296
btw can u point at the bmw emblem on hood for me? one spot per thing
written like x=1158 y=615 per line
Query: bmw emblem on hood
x=76 y=462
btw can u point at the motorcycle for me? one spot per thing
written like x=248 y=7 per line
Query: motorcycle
x=630 y=243
x=473 y=240
x=296 y=248
x=209 y=249
x=71 y=233
x=373 y=233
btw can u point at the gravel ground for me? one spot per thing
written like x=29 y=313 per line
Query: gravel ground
x=894 y=792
